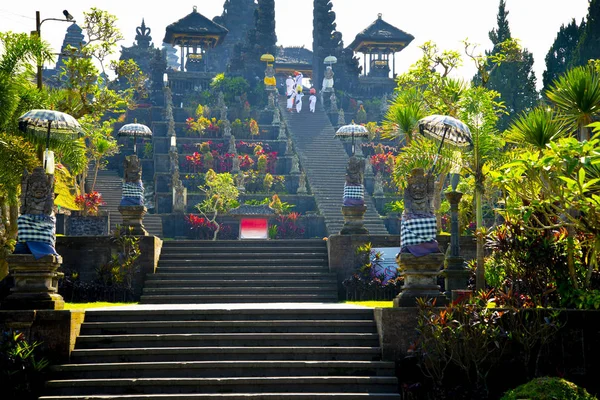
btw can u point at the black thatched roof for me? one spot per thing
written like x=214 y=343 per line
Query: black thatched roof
x=262 y=210
x=194 y=26
x=294 y=55
x=381 y=34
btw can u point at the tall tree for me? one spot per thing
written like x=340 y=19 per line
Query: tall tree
x=588 y=47
x=514 y=78
x=560 y=56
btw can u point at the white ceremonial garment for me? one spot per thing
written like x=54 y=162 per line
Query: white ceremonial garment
x=290 y=100
x=289 y=83
x=299 y=78
x=299 y=102
x=312 y=102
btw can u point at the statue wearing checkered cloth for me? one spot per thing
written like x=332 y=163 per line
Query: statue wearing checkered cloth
x=418 y=228
x=354 y=191
x=133 y=189
x=36 y=226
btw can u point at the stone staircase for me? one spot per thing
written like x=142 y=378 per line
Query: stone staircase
x=310 y=353
x=324 y=160
x=109 y=185
x=247 y=271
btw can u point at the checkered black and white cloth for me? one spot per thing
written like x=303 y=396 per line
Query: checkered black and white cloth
x=36 y=228
x=354 y=192
x=133 y=189
x=417 y=230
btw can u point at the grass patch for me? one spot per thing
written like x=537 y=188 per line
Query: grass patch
x=98 y=304
x=372 y=304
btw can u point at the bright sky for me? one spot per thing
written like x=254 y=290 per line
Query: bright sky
x=446 y=22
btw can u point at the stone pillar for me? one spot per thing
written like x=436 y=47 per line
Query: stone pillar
x=133 y=217
x=456 y=274
x=36 y=283
x=354 y=220
x=420 y=279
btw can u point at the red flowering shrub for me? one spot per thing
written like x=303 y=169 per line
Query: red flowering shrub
x=90 y=203
x=201 y=228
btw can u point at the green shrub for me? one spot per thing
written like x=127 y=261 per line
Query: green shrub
x=21 y=368
x=548 y=388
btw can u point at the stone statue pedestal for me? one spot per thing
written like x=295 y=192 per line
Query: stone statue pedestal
x=36 y=283
x=420 y=279
x=456 y=274
x=354 y=220
x=133 y=217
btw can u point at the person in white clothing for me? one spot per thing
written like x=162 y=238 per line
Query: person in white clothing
x=312 y=101
x=298 y=78
x=289 y=86
x=290 y=101
x=299 y=96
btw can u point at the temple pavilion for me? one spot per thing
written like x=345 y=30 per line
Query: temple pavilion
x=379 y=43
x=195 y=35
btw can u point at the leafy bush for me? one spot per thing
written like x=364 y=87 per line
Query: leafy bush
x=22 y=370
x=470 y=339
x=548 y=388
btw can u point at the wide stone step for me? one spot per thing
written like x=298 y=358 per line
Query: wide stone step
x=230 y=314
x=223 y=369
x=237 y=298
x=215 y=257
x=207 y=251
x=203 y=290
x=228 y=339
x=245 y=243
x=232 y=276
x=241 y=282
x=225 y=353
x=265 y=326
x=283 y=387
x=258 y=266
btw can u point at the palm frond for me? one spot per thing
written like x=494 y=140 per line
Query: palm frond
x=537 y=128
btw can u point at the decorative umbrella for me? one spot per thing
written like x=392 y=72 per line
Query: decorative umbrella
x=330 y=60
x=445 y=129
x=49 y=123
x=135 y=130
x=352 y=130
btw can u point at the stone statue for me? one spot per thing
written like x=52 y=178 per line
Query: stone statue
x=282 y=135
x=295 y=165
x=378 y=185
x=276 y=116
x=328 y=80
x=227 y=128
x=302 y=184
x=270 y=81
x=37 y=192
x=289 y=146
x=231 y=148
x=235 y=164
x=132 y=168
x=223 y=113
x=173 y=161
x=179 y=194
x=333 y=108
x=355 y=171
x=271 y=100
x=240 y=181
x=341 y=118
x=221 y=101
x=418 y=194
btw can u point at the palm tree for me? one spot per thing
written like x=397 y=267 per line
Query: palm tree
x=537 y=128
x=576 y=94
x=479 y=111
x=403 y=115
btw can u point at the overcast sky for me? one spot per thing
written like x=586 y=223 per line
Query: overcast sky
x=445 y=22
